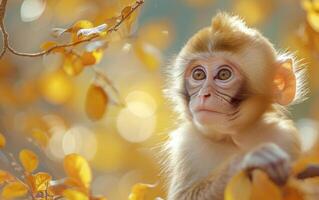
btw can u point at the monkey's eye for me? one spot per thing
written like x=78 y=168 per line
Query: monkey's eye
x=224 y=74
x=199 y=74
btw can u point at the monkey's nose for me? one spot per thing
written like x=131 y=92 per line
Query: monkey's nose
x=205 y=95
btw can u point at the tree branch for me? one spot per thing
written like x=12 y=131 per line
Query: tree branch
x=5 y=35
x=310 y=172
x=2 y=27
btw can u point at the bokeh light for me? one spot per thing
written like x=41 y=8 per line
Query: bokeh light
x=32 y=9
x=141 y=104
x=309 y=132
x=137 y=122
x=43 y=103
x=134 y=128
x=79 y=139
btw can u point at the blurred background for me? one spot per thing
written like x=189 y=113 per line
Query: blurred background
x=43 y=108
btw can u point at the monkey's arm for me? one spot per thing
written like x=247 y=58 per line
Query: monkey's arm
x=186 y=186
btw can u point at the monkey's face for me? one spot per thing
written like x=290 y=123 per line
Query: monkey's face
x=214 y=86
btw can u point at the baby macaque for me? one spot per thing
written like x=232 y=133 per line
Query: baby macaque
x=231 y=88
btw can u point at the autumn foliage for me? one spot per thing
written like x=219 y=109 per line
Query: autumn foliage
x=40 y=185
x=79 y=125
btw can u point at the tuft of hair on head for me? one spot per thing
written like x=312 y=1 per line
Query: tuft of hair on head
x=224 y=22
x=229 y=32
x=228 y=23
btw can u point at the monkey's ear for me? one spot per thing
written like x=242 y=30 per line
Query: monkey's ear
x=284 y=83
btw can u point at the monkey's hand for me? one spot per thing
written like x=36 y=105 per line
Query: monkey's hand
x=271 y=159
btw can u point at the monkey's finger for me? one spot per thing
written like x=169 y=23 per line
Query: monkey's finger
x=283 y=169
x=268 y=156
x=278 y=172
x=268 y=162
x=273 y=174
x=280 y=176
x=278 y=153
x=279 y=164
x=252 y=162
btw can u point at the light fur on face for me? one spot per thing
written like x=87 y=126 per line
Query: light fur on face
x=229 y=37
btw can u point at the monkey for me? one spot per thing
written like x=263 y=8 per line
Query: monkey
x=231 y=89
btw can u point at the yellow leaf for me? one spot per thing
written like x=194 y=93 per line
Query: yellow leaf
x=14 y=190
x=91 y=58
x=148 y=54
x=139 y=191
x=98 y=53
x=72 y=65
x=238 y=188
x=40 y=181
x=88 y=58
x=2 y=141
x=306 y=4
x=293 y=190
x=129 y=22
x=126 y=11
x=80 y=25
x=96 y=102
x=70 y=194
x=313 y=19
x=77 y=167
x=5 y=176
x=29 y=160
x=262 y=185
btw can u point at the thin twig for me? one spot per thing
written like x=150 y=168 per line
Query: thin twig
x=2 y=27
x=310 y=172
x=116 y=26
x=5 y=36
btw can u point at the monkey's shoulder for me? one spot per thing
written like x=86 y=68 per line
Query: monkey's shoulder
x=277 y=127
x=280 y=131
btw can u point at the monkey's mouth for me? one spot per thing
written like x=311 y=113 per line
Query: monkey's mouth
x=203 y=109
